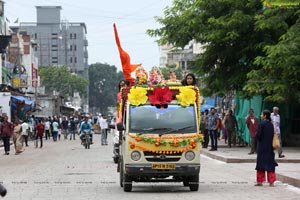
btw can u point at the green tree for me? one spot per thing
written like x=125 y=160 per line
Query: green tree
x=103 y=88
x=226 y=28
x=61 y=80
x=278 y=78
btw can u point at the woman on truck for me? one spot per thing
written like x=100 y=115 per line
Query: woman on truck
x=189 y=80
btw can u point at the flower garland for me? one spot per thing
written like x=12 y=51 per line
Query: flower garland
x=186 y=97
x=170 y=144
x=137 y=96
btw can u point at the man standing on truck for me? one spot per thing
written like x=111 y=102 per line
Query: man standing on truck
x=212 y=126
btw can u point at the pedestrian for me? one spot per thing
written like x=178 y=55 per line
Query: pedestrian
x=104 y=126
x=231 y=126
x=25 y=131
x=204 y=129
x=47 y=129
x=55 y=129
x=265 y=161
x=40 y=129
x=252 y=124
x=189 y=79
x=6 y=131
x=224 y=130
x=72 y=128
x=275 y=117
x=65 y=127
x=17 y=137
x=212 y=125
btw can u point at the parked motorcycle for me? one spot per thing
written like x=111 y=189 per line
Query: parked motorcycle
x=116 y=147
x=86 y=139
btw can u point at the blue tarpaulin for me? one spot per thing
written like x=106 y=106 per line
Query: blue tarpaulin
x=20 y=106
x=204 y=107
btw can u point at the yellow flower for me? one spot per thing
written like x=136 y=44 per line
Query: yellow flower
x=187 y=96
x=137 y=96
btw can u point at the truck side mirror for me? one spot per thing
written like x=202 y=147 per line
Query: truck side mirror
x=120 y=126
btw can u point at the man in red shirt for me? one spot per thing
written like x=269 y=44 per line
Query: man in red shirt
x=6 y=131
x=40 y=133
x=252 y=124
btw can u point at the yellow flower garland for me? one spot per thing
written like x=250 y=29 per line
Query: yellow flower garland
x=137 y=96
x=187 y=96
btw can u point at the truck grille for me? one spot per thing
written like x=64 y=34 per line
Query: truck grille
x=154 y=157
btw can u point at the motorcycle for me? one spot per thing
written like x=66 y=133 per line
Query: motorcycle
x=116 y=145
x=86 y=139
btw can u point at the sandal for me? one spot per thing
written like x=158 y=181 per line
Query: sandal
x=258 y=184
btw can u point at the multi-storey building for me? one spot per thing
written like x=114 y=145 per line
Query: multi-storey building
x=60 y=43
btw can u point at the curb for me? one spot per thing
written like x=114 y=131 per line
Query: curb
x=286 y=179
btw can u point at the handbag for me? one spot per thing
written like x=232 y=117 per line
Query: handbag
x=275 y=142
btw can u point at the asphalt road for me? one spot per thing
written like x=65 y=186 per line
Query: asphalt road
x=65 y=170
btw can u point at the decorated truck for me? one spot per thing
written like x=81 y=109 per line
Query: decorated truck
x=160 y=140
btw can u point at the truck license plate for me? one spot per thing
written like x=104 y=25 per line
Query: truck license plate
x=163 y=166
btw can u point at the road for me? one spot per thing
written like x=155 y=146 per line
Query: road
x=65 y=170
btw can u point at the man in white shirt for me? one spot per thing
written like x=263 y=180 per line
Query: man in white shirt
x=25 y=129
x=276 y=122
x=104 y=126
x=47 y=129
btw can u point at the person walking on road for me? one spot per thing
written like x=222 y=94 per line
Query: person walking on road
x=252 y=124
x=275 y=117
x=265 y=161
x=6 y=131
x=204 y=129
x=104 y=126
x=17 y=137
x=47 y=129
x=72 y=128
x=55 y=126
x=40 y=129
x=231 y=126
x=65 y=127
x=212 y=125
x=25 y=130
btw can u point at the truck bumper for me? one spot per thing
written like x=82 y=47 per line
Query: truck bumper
x=147 y=170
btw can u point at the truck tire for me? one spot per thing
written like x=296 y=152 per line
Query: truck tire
x=194 y=183
x=121 y=174
x=127 y=184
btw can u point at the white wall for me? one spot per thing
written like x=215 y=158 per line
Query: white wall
x=4 y=103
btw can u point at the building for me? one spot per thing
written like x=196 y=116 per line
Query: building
x=180 y=57
x=60 y=43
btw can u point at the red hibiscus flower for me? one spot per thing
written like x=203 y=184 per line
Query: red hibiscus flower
x=160 y=96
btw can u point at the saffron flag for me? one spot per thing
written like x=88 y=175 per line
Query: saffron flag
x=127 y=67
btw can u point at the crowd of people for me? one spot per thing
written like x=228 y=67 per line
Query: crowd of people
x=37 y=129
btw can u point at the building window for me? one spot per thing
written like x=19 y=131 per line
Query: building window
x=74 y=35
x=54 y=45
x=54 y=58
x=35 y=36
x=75 y=60
x=71 y=59
x=71 y=47
x=71 y=36
x=54 y=61
x=75 y=47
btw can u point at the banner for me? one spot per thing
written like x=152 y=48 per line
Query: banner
x=281 y=3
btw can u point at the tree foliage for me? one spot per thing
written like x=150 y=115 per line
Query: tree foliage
x=278 y=77
x=61 y=80
x=103 y=88
x=243 y=44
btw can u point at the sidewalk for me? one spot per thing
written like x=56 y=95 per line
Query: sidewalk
x=288 y=170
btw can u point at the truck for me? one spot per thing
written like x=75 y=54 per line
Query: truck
x=160 y=138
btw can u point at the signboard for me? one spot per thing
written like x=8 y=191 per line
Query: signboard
x=281 y=3
x=20 y=80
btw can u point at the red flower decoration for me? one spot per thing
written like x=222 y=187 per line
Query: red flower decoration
x=160 y=96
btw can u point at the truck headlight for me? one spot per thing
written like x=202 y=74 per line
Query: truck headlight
x=189 y=155
x=135 y=155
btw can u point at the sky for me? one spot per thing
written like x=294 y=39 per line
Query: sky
x=132 y=18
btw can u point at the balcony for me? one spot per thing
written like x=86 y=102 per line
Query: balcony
x=85 y=42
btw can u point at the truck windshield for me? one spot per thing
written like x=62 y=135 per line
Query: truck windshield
x=173 y=119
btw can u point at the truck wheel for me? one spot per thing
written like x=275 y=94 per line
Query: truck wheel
x=194 y=183
x=121 y=174
x=127 y=185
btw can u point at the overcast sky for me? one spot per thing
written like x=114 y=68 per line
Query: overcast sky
x=132 y=17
